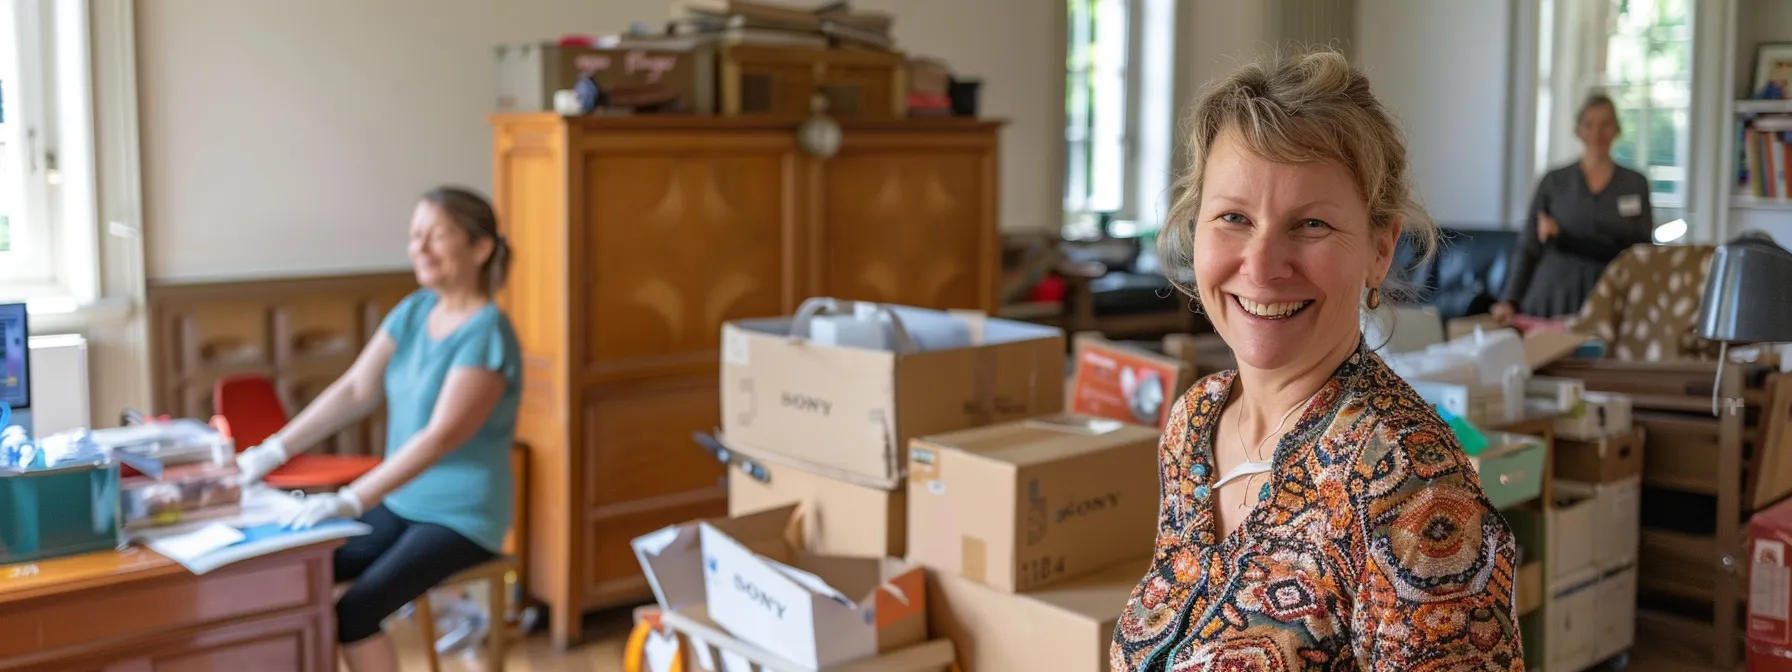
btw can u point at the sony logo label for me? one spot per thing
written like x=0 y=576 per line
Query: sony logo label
x=806 y=403
x=754 y=593
x=1088 y=506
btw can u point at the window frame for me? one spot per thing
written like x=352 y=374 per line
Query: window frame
x=1677 y=198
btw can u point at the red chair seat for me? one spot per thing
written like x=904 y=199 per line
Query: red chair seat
x=305 y=471
x=252 y=407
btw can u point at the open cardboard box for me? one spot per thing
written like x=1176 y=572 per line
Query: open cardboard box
x=754 y=578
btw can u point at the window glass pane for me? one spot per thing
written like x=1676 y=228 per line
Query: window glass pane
x=1107 y=165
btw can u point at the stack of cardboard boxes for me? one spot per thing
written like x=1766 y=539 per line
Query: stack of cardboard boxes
x=886 y=501
x=1593 y=525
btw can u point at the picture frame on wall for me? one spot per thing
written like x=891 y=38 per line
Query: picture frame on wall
x=1773 y=71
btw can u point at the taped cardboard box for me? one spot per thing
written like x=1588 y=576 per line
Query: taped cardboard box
x=755 y=580
x=1021 y=505
x=854 y=410
x=1068 y=627
x=843 y=518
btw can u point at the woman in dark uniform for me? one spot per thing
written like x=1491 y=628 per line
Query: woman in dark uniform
x=1582 y=217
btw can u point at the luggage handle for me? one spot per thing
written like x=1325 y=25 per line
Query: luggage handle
x=823 y=305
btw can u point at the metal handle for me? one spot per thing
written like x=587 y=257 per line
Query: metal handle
x=1505 y=479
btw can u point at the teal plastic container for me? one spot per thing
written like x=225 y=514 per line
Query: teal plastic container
x=51 y=513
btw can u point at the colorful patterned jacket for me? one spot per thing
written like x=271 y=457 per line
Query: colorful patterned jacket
x=1376 y=550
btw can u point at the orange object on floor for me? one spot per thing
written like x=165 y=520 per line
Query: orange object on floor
x=253 y=411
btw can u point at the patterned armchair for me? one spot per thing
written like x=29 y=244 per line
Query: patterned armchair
x=1646 y=304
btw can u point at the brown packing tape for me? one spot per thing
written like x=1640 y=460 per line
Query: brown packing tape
x=924 y=465
x=973 y=560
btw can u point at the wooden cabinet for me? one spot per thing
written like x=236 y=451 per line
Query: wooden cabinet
x=635 y=239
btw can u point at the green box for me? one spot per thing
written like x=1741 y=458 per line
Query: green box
x=51 y=513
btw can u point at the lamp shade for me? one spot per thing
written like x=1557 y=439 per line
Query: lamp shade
x=1746 y=294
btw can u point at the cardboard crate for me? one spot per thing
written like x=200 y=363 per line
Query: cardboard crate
x=1021 y=505
x=853 y=411
x=1603 y=460
x=754 y=579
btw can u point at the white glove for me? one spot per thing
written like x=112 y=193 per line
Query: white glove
x=319 y=508
x=257 y=462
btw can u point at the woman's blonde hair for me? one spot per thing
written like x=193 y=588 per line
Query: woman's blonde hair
x=1308 y=107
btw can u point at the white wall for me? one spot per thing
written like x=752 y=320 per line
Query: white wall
x=1444 y=67
x=291 y=138
x=297 y=137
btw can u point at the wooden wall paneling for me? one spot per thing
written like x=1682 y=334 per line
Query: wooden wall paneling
x=301 y=332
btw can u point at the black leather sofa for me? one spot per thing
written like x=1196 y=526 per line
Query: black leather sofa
x=1464 y=276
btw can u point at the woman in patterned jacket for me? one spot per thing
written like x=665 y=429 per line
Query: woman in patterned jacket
x=1316 y=514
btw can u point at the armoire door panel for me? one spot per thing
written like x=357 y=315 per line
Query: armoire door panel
x=638 y=440
x=906 y=227
x=677 y=244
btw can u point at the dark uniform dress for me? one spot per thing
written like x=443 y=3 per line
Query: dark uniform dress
x=1553 y=279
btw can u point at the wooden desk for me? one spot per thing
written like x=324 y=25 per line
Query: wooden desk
x=136 y=611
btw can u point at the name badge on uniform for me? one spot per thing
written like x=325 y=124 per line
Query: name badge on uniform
x=1630 y=205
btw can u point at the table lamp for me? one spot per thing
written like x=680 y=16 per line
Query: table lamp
x=1744 y=298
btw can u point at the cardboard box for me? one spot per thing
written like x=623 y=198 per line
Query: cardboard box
x=1126 y=383
x=1573 y=614
x=1617 y=613
x=1064 y=628
x=754 y=579
x=840 y=517
x=1530 y=588
x=854 y=410
x=1603 y=460
x=1571 y=531
x=677 y=75
x=706 y=648
x=1600 y=414
x=1021 y=505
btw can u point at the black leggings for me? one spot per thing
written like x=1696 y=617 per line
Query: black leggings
x=392 y=565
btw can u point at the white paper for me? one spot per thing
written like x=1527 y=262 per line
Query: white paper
x=192 y=545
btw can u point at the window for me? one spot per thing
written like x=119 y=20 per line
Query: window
x=1118 y=116
x=1648 y=73
x=48 y=193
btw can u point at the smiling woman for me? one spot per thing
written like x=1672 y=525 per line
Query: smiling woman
x=1356 y=536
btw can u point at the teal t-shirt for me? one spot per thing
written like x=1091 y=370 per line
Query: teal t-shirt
x=469 y=489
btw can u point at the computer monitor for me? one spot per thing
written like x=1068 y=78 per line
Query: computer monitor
x=15 y=358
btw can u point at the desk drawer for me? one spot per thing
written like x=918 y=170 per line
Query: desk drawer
x=1512 y=477
x=140 y=609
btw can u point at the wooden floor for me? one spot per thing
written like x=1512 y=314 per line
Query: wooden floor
x=609 y=632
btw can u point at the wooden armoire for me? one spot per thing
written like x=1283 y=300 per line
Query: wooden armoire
x=636 y=238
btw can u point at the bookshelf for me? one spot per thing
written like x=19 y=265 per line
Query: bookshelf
x=1752 y=24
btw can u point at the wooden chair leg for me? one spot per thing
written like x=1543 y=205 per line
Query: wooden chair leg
x=426 y=629
x=498 y=620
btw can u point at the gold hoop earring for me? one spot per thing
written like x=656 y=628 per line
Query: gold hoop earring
x=1374 y=298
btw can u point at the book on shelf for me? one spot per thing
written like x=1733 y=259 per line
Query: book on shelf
x=1766 y=170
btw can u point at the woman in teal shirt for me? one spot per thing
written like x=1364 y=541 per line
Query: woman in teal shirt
x=448 y=368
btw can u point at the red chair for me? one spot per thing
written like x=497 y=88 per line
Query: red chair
x=254 y=412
